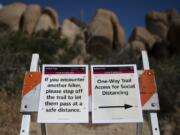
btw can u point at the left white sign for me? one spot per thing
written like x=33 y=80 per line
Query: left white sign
x=64 y=94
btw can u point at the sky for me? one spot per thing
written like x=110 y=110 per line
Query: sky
x=131 y=13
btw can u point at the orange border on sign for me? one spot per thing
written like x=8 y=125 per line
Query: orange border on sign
x=31 y=80
x=147 y=85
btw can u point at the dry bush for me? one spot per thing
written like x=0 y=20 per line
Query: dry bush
x=10 y=117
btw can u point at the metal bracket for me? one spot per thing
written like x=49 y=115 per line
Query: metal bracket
x=154 y=124
x=25 y=125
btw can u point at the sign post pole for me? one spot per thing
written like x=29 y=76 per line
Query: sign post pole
x=153 y=116
x=25 y=125
x=26 y=118
x=139 y=128
x=44 y=129
x=154 y=124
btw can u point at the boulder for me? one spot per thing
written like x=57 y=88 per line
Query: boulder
x=155 y=16
x=172 y=14
x=158 y=23
x=74 y=35
x=159 y=29
x=143 y=35
x=31 y=17
x=70 y=31
x=54 y=16
x=11 y=15
x=106 y=31
x=48 y=20
x=45 y=23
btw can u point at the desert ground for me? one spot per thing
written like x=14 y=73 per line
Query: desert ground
x=10 y=123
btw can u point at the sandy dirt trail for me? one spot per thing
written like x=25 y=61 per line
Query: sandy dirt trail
x=86 y=129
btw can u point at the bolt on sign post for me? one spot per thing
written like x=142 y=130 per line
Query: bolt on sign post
x=115 y=94
x=64 y=94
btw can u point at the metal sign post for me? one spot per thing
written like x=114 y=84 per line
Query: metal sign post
x=152 y=105
x=30 y=100
x=153 y=115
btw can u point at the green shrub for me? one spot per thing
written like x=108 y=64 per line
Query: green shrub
x=16 y=49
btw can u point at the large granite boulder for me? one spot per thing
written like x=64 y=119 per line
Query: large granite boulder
x=11 y=15
x=74 y=35
x=158 y=23
x=31 y=17
x=106 y=32
x=54 y=16
x=143 y=35
x=156 y=16
x=48 y=20
x=45 y=23
x=71 y=31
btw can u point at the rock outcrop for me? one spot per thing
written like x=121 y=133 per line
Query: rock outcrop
x=106 y=32
x=161 y=35
x=103 y=35
x=71 y=31
x=159 y=23
x=54 y=16
x=11 y=15
x=44 y=23
x=142 y=35
x=76 y=39
x=30 y=18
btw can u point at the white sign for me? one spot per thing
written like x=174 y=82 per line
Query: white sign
x=115 y=94
x=64 y=94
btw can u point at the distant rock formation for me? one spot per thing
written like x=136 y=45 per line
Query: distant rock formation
x=144 y=36
x=158 y=23
x=106 y=33
x=76 y=38
x=71 y=31
x=11 y=15
x=54 y=16
x=161 y=36
x=30 y=18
